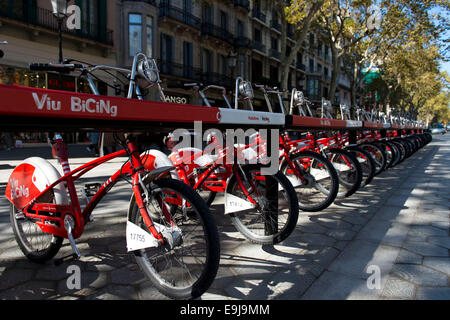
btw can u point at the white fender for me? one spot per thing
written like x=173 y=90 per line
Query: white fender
x=44 y=175
x=162 y=160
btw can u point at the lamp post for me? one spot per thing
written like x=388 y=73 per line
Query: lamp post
x=60 y=12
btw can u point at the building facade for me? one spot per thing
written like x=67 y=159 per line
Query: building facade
x=31 y=31
x=214 y=41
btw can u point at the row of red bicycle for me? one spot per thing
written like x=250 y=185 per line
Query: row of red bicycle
x=170 y=229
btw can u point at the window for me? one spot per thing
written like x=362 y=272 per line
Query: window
x=311 y=40
x=207 y=13
x=188 y=59
x=221 y=64
x=274 y=43
x=135 y=33
x=319 y=49
x=325 y=72
x=311 y=65
x=166 y=48
x=150 y=52
x=187 y=6
x=257 y=35
x=319 y=68
x=240 y=28
x=207 y=61
x=223 y=20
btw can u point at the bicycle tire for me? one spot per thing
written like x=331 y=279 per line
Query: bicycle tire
x=199 y=216
x=349 y=179
x=254 y=232
x=367 y=164
x=49 y=249
x=378 y=155
x=310 y=202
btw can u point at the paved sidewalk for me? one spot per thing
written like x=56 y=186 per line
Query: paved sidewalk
x=399 y=225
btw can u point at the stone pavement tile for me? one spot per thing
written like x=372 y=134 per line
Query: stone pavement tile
x=397 y=200
x=128 y=275
x=420 y=232
x=290 y=284
x=441 y=264
x=31 y=290
x=13 y=277
x=440 y=241
x=425 y=293
x=90 y=281
x=425 y=249
x=408 y=257
x=114 y=292
x=420 y=275
x=147 y=291
x=336 y=286
x=317 y=239
x=398 y=289
x=249 y=289
x=384 y=231
x=341 y=234
x=321 y=255
x=359 y=255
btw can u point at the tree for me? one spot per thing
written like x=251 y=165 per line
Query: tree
x=299 y=14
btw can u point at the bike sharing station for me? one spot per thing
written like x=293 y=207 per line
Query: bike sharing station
x=41 y=195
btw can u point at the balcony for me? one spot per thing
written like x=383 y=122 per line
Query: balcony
x=217 y=79
x=44 y=18
x=301 y=66
x=180 y=70
x=245 y=4
x=152 y=2
x=256 y=45
x=274 y=53
x=274 y=24
x=242 y=42
x=217 y=32
x=257 y=14
x=180 y=15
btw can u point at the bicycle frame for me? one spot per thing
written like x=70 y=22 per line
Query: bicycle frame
x=133 y=167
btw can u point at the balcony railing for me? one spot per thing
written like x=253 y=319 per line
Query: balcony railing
x=153 y=2
x=217 y=32
x=179 y=15
x=217 y=79
x=274 y=24
x=44 y=18
x=256 y=45
x=275 y=54
x=242 y=3
x=180 y=70
x=259 y=15
x=242 y=42
x=301 y=66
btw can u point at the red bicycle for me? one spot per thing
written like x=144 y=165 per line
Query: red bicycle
x=170 y=230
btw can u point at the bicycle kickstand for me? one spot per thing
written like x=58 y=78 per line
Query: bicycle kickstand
x=68 y=224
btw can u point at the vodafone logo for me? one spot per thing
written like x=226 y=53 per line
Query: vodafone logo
x=17 y=191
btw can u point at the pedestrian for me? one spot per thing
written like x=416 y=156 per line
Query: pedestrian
x=93 y=138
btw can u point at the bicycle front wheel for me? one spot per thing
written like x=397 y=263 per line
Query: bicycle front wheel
x=186 y=268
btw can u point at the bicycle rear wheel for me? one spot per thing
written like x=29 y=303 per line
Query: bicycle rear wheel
x=275 y=216
x=36 y=245
x=187 y=268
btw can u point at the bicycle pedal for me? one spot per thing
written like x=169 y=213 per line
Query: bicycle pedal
x=71 y=257
x=91 y=189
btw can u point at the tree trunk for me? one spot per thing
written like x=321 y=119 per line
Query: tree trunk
x=336 y=61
